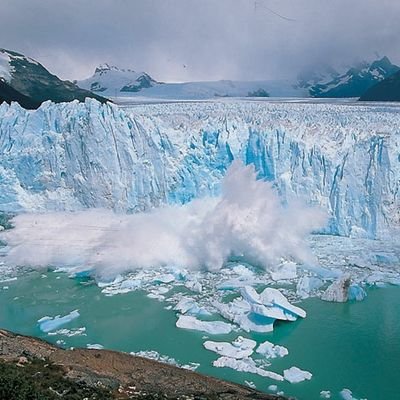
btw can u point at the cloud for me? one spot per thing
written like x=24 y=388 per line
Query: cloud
x=247 y=221
x=232 y=39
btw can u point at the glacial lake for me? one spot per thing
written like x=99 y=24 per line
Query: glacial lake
x=354 y=345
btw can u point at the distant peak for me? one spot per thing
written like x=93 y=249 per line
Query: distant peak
x=107 y=67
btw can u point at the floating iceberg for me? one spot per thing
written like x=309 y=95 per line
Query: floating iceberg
x=296 y=375
x=338 y=291
x=245 y=365
x=48 y=324
x=269 y=350
x=210 y=327
x=258 y=312
x=239 y=348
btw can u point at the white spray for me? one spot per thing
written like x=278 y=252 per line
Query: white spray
x=246 y=221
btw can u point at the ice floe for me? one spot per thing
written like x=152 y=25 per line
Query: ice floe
x=325 y=394
x=210 y=327
x=296 y=375
x=245 y=365
x=239 y=348
x=95 y=346
x=269 y=350
x=48 y=324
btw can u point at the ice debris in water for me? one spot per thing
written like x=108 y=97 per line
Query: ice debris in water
x=285 y=271
x=245 y=365
x=258 y=312
x=69 y=332
x=210 y=327
x=48 y=324
x=356 y=292
x=239 y=348
x=189 y=306
x=95 y=346
x=269 y=350
x=325 y=394
x=296 y=375
x=307 y=285
x=250 y=384
x=338 y=290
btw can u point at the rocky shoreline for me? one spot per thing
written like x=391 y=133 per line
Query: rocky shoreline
x=109 y=374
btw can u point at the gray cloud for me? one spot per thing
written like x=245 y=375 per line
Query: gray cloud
x=178 y=40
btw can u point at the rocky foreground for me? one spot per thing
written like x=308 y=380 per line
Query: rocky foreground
x=33 y=369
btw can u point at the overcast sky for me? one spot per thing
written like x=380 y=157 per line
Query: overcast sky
x=181 y=40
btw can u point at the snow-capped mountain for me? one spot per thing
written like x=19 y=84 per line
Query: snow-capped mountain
x=113 y=81
x=77 y=155
x=31 y=79
x=352 y=83
x=386 y=90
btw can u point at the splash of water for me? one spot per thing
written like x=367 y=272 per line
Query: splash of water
x=247 y=221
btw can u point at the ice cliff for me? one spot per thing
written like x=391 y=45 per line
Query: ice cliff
x=72 y=156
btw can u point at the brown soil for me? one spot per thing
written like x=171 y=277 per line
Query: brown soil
x=126 y=375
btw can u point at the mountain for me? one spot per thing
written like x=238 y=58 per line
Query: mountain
x=110 y=80
x=354 y=82
x=9 y=94
x=342 y=158
x=386 y=90
x=31 y=79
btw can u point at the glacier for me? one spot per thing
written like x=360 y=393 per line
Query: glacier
x=73 y=156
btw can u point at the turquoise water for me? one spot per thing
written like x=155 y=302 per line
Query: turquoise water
x=352 y=345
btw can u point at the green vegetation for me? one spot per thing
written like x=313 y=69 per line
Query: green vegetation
x=40 y=380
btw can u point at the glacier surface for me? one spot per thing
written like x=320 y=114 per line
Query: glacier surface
x=73 y=156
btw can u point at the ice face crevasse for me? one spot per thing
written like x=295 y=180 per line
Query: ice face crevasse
x=73 y=156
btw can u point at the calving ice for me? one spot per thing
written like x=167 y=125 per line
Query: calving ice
x=74 y=156
x=247 y=222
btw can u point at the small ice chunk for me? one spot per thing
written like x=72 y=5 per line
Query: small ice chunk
x=269 y=350
x=325 y=394
x=285 y=271
x=165 y=278
x=194 y=286
x=95 y=346
x=250 y=384
x=189 y=306
x=347 y=394
x=275 y=297
x=48 y=324
x=210 y=327
x=273 y=388
x=245 y=365
x=338 y=291
x=296 y=375
x=356 y=292
x=239 y=348
x=306 y=285
x=69 y=332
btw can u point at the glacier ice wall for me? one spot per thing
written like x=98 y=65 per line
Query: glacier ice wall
x=72 y=156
